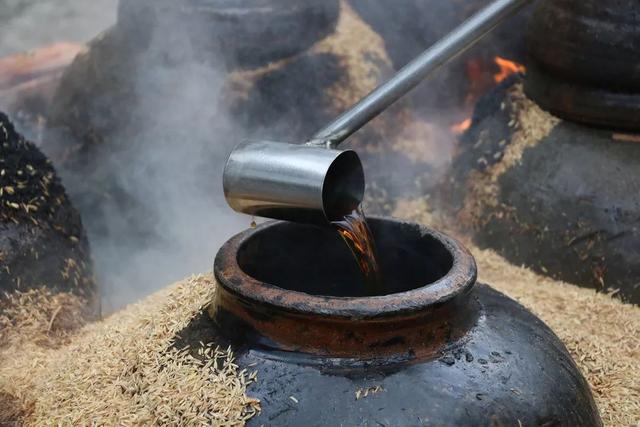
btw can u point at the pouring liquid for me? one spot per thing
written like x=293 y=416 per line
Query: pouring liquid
x=355 y=232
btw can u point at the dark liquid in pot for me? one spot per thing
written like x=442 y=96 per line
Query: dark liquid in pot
x=356 y=233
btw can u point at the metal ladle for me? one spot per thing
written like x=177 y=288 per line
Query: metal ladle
x=314 y=182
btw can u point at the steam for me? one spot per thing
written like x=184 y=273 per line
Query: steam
x=172 y=169
x=171 y=166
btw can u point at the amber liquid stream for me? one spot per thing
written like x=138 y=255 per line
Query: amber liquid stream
x=356 y=233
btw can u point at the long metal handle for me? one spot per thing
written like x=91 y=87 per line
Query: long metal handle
x=417 y=70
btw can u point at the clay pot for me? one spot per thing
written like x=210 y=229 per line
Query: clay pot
x=584 y=57
x=245 y=33
x=436 y=349
x=556 y=196
x=42 y=240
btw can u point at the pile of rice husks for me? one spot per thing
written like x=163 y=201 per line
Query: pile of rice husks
x=120 y=371
x=124 y=370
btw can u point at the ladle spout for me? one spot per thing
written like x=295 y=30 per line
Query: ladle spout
x=293 y=182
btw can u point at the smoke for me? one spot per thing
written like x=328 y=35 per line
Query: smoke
x=167 y=165
x=171 y=170
x=169 y=157
x=174 y=172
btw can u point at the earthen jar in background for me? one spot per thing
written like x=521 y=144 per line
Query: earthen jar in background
x=584 y=61
x=559 y=193
x=550 y=194
x=42 y=241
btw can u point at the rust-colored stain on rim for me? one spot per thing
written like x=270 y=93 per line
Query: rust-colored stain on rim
x=458 y=281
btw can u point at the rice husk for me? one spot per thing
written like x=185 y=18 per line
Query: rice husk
x=125 y=370
x=360 y=51
x=530 y=124
x=41 y=317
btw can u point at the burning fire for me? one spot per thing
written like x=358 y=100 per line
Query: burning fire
x=507 y=68
x=481 y=83
x=460 y=128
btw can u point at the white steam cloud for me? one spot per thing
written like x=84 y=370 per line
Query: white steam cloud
x=171 y=166
x=174 y=168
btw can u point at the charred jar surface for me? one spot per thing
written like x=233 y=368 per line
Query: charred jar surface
x=584 y=57
x=435 y=349
x=556 y=196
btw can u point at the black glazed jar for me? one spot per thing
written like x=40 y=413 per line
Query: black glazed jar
x=43 y=244
x=437 y=349
x=584 y=58
x=557 y=196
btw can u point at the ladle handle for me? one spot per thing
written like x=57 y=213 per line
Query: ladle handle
x=456 y=42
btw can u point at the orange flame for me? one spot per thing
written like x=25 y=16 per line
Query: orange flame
x=507 y=68
x=460 y=128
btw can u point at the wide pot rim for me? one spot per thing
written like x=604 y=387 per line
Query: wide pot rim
x=458 y=281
